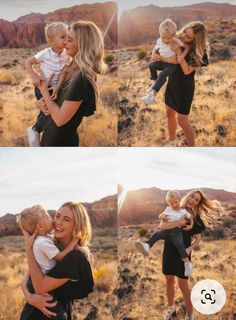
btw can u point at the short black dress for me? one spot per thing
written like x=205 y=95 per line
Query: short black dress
x=172 y=264
x=78 y=89
x=180 y=87
x=76 y=267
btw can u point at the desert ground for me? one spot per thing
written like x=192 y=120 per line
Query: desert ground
x=212 y=113
x=142 y=290
x=18 y=110
x=101 y=304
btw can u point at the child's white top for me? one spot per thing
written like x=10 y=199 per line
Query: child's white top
x=173 y=215
x=44 y=251
x=164 y=49
x=52 y=63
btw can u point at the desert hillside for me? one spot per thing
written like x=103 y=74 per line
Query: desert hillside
x=100 y=305
x=28 y=31
x=142 y=288
x=144 y=205
x=102 y=213
x=212 y=113
x=133 y=33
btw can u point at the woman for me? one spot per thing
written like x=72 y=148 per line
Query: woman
x=78 y=94
x=71 y=278
x=205 y=213
x=180 y=87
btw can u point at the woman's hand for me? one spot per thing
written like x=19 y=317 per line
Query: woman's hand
x=187 y=227
x=181 y=222
x=189 y=250
x=42 y=302
x=42 y=106
x=175 y=47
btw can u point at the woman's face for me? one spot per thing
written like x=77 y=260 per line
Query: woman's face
x=193 y=200
x=64 y=223
x=187 y=35
x=70 y=44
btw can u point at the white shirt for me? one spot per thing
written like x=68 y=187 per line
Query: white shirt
x=173 y=215
x=44 y=251
x=52 y=63
x=164 y=49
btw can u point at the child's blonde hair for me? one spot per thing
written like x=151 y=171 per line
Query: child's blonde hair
x=167 y=27
x=172 y=194
x=30 y=217
x=52 y=28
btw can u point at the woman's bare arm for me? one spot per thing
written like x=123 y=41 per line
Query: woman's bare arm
x=171 y=225
x=187 y=69
x=60 y=115
x=41 y=302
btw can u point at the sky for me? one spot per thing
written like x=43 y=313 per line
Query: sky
x=51 y=176
x=13 y=9
x=177 y=168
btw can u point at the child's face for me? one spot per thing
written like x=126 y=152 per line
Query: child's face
x=174 y=203
x=58 y=40
x=167 y=38
x=46 y=224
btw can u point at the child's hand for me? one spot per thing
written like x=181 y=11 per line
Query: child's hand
x=54 y=93
x=74 y=242
x=180 y=59
x=36 y=80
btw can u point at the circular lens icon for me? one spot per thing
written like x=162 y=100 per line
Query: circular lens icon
x=208 y=296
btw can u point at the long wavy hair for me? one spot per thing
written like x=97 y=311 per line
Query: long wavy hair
x=210 y=211
x=89 y=59
x=82 y=230
x=199 y=45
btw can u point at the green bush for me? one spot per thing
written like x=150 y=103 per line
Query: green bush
x=109 y=58
x=141 y=54
x=142 y=232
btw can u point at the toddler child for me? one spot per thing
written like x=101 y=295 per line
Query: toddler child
x=172 y=213
x=52 y=62
x=45 y=251
x=167 y=31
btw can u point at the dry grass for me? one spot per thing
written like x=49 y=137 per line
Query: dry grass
x=18 y=110
x=102 y=301
x=212 y=113
x=147 y=299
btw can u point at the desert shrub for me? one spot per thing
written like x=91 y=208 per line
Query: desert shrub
x=104 y=278
x=218 y=233
x=109 y=58
x=224 y=53
x=141 y=54
x=228 y=222
x=142 y=232
x=232 y=41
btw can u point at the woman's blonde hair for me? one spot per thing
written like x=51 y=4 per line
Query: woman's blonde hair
x=90 y=55
x=82 y=230
x=199 y=45
x=210 y=211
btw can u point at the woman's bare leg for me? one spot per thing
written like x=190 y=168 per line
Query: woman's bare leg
x=187 y=128
x=170 y=289
x=172 y=123
x=183 y=285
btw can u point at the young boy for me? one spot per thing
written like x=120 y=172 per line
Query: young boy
x=167 y=31
x=51 y=62
x=172 y=213
x=45 y=252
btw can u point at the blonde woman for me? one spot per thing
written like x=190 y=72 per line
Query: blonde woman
x=180 y=87
x=71 y=278
x=205 y=213
x=79 y=92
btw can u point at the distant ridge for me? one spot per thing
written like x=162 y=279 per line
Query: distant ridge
x=28 y=31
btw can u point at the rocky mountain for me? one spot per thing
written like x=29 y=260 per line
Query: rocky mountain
x=144 y=205
x=28 y=31
x=102 y=213
x=140 y=25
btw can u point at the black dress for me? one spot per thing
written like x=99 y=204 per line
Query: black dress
x=76 y=267
x=180 y=87
x=171 y=260
x=79 y=89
